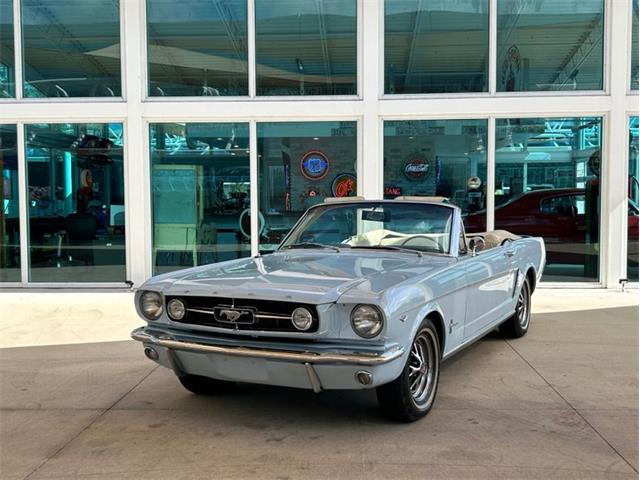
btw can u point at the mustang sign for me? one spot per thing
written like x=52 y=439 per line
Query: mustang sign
x=360 y=294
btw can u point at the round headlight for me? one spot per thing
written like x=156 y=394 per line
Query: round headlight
x=176 y=309
x=151 y=305
x=302 y=318
x=366 y=321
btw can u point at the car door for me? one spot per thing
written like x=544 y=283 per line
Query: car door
x=562 y=225
x=491 y=276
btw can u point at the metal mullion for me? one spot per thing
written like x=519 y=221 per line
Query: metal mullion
x=17 y=50
x=493 y=45
x=253 y=188
x=359 y=159
x=251 y=47
x=380 y=75
x=23 y=211
x=359 y=49
x=491 y=174
x=625 y=223
x=607 y=176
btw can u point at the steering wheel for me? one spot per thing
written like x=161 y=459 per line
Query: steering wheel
x=412 y=237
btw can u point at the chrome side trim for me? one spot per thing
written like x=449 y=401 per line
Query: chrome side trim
x=477 y=336
x=393 y=353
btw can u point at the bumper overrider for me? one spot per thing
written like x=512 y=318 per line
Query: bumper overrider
x=313 y=368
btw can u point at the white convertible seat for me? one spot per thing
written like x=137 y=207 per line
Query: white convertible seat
x=495 y=238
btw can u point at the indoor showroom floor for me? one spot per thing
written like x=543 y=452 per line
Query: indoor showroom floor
x=80 y=400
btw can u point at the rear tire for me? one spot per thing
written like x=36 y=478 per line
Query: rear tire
x=411 y=396
x=204 y=385
x=518 y=324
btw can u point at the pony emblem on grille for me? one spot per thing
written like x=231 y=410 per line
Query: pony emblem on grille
x=234 y=315
x=231 y=315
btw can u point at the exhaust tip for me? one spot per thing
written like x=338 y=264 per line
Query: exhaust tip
x=364 y=377
x=150 y=353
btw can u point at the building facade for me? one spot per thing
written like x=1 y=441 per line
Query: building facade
x=143 y=137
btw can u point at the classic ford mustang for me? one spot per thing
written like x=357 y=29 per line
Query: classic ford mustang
x=360 y=294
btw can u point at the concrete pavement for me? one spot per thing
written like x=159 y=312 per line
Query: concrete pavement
x=79 y=402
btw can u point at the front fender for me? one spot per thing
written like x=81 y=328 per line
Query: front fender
x=431 y=308
x=407 y=324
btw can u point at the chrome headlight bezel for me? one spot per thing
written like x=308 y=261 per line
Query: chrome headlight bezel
x=149 y=302
x=309 y=319
x=357 y=324
x=172 y=314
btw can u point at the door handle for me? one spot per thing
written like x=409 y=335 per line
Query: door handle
x=509 y=254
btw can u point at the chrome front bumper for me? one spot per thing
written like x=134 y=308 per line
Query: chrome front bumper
x=318 y=370
x=360 y=359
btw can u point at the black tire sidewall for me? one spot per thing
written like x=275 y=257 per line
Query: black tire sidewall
x=422 y=409
x=395 y=397
x=516 y=321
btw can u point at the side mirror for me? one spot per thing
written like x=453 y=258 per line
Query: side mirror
x=476 y=244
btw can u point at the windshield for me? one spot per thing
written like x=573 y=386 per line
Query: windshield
x=419 y=227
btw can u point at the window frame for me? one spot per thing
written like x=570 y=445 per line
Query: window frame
x=493 y=66
x=19 y=62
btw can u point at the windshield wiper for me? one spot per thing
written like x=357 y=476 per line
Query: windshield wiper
x=389 y=247
x=311 y=245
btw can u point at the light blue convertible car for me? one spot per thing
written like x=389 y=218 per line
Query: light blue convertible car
x=360 y=294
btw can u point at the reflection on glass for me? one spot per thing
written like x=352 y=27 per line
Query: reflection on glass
x=548 y=175
x=423 y=227
x=306 y=47
x=200 y=188
x=634 y=201
x=634 y=45
x=9 y=216
x=197 y=47
x=550 y=45
x=436 y=47
x=71 y=48
x=7 y=54
x=445 y=158
x=75 y=183
x=299 y=164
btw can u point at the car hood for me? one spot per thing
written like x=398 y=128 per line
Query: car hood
x=301 y=276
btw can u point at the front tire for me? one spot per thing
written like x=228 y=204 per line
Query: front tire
x=204 y=385
x=518 y=324
x=411 y=396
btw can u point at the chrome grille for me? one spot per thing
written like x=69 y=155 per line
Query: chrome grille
x=242 y=314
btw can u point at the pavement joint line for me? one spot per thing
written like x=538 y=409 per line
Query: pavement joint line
x=577 y=412
x=323 y=464
x=86 y=427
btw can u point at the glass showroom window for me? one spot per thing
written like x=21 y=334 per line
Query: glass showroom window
x=550 y=45
x=306 y=47
x=76 y=203
x=9 y=215
x=299 y=164
x=435 y=46
x=200 y=193
x=71 y=48
x=197 y=47
x=634 y=45
x=548 y=174
x=439 y=158
x=7 y=54
x=634 y=201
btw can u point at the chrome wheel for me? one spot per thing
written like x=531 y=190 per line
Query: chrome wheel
x=522 y=307
x=422 y=366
